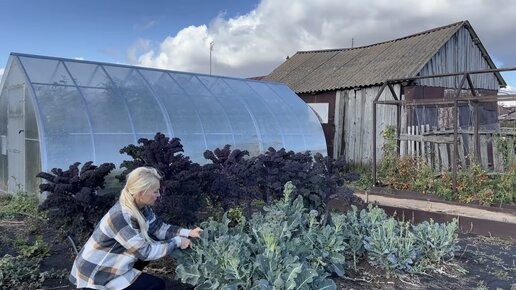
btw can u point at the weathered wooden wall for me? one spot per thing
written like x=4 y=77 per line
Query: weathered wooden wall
x=357 y=137
x=459 y=54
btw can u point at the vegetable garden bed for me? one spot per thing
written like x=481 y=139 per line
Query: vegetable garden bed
x=488 y=263
x=484 y=220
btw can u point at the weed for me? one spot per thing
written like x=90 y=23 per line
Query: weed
x=23 y=273
x=21 y=203
x=481 y=285
x=39 y=249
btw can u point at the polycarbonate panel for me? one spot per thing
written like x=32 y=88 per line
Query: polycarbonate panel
x=236 y=110
x=108 y=112
x=107 y=147
x=120 y=104
x=286 y=114
x=64 y=150
x=194 y=147
x=118 y=74
x=316 y=143
x=182 y=112
x=215 y=141
x=294 y=142
x=145 y=111
x=213 y=117
x=87 y=74
x=250 y=143
x=32 y=165
x=4 y=173
x=47 y=71
x=31 y=126
x=266 y=122
x=297 y=105
x=191 y=84
x=3 y=109
x=274 y=141
x=3 y=140
x=62 y=110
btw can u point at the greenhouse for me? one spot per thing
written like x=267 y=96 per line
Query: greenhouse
x=56 y=111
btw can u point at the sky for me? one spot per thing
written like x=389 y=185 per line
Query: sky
x=249 y=37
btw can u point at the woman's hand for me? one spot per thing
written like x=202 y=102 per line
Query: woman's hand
x=185 y=243
x=195 y=233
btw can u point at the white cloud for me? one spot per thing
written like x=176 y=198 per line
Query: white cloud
x=255 y=43
x=1 y=72
x=509 y=90
x=145 y=24
x=139 y=45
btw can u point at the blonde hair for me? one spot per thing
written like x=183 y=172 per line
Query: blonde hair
x=140 y=179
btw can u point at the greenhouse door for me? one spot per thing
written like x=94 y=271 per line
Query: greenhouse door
x=16 y=138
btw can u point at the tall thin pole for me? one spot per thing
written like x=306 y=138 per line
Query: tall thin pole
x=211 y=48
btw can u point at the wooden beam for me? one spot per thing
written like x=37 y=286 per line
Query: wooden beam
x=427 y=138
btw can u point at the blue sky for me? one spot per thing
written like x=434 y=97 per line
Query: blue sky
x=251 y=37
x=101 y=30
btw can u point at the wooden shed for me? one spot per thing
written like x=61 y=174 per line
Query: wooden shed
x=340 y=84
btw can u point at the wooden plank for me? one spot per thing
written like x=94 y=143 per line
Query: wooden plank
x=461 y=148
x=338 y=119
x=353 y=132
x=410 y=150
x=498 y=164
x=367 y=154
x=437 y=158
x=426 y=138
x=348 y=126
x=443 y=152
x=441 y=207
x=503 y=132
x=512 y=153
x=471 y=150
x=345 y=125
x=428 y=146
x=403 y=144
x=423 y=143
x=483 y=150
x=358 y=127
x=418 y=143
x=361 y=126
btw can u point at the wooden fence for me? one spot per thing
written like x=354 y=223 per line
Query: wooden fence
x=436 y=147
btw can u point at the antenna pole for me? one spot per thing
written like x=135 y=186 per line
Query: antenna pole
x=211 y=48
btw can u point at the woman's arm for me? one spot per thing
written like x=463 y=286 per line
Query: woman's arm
x=118 y=226
x=161 y=230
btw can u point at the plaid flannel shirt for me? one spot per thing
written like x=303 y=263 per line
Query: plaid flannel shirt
x=106 y=261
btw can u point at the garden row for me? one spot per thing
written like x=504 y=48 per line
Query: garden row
x=474 y=184
x=286 y=246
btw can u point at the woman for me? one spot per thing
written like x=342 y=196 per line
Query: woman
x=127 y=237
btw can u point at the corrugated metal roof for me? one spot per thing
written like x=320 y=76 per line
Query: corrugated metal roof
x=324 y=70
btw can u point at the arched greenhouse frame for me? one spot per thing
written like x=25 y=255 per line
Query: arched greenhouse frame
x=56 y=111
